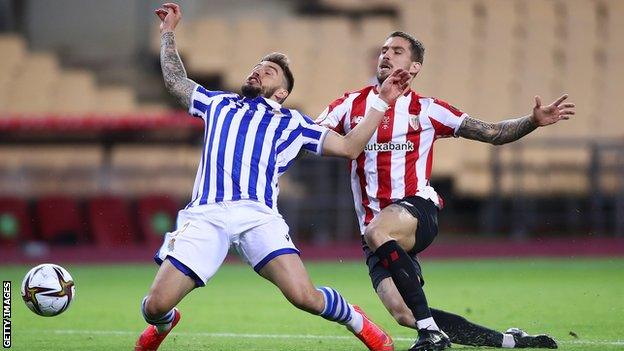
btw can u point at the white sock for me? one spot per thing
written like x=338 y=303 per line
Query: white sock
x=508 y=341
x=162 y=328
x=357 y=321
x=427 y=323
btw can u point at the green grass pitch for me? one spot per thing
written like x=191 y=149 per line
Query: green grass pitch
x=238 y=310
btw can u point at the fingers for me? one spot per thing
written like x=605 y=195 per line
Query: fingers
x=175 y=8
x=401 y=76
x=560 y=100
x=395 y=76
x=538 y=101
x=161 y=13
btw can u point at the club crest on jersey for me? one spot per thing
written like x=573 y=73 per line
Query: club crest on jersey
x=414 y=122
x=385 y=122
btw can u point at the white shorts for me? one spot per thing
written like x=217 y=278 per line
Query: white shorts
x=205 y=233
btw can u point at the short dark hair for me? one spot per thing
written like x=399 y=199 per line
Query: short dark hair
x=416 y=46
x=282 y=60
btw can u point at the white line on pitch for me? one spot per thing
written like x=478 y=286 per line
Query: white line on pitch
x=282 y=336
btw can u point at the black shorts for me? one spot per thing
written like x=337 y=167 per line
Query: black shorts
x=427 y=214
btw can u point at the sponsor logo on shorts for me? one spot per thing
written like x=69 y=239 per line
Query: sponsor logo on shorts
x=171 y=245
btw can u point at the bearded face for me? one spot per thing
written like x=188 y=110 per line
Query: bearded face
x=264 y=81
x=395 y=54
x=252 y=90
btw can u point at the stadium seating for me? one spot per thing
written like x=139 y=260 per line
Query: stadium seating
x=204 y=58
x=157 y=214
x=13 y=49
x=39 y=170
x=116 y=101
x=36 y=77
x=69 y=92
x=76 y=93
x=111 y=222
x=16 y=222
x=504 y=54
x=170 y=170
x=61 y=220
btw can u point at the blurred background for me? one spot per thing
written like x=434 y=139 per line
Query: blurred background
x=96 y=158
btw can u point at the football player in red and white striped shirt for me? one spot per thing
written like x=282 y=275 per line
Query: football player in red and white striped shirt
x=395 y=203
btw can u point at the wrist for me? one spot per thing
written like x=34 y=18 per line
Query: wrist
x=380 y=104
x=166 y=30
x=533 y=121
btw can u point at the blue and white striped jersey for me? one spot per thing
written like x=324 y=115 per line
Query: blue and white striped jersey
x=248 y=144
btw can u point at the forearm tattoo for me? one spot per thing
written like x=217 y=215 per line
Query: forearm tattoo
x=496 y=133
x=173 y=70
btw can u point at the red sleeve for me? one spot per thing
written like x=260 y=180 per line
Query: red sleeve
x=333 y=116
x=445 y=118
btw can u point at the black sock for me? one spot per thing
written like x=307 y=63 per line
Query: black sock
x=405 y=277
x=461 y=331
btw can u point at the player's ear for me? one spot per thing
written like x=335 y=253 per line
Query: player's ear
x=415 y=68
x=281 y=94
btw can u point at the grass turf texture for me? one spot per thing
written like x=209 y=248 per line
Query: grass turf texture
x=238 y=310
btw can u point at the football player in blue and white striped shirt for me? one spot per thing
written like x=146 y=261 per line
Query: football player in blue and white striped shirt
x=249 y=141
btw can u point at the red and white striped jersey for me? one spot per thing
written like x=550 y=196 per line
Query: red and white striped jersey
x=397 y=161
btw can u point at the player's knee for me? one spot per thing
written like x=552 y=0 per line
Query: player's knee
x=155 y=307
x=375 y=236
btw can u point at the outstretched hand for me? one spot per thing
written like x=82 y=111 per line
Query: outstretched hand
x=394 y=85
x=553 y=113
x=170 y=14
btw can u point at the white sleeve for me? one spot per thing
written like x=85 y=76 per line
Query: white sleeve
x=201 y=98
x=333 y=117
x=312 y=135
x=445 y=118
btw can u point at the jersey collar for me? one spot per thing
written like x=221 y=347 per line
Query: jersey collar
x=271 y=103
x=268 y=103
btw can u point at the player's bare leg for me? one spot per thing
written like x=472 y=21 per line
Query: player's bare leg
x=169 y=287
x=392 y=223
x=392 y=300
x=459 y=329
x=288 y=273
x=390 y=235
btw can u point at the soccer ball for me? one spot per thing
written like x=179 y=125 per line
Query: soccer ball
x=48 y=289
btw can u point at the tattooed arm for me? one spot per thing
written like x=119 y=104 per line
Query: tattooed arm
x=496 y=133
x=173 y=70
x=513 y=129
